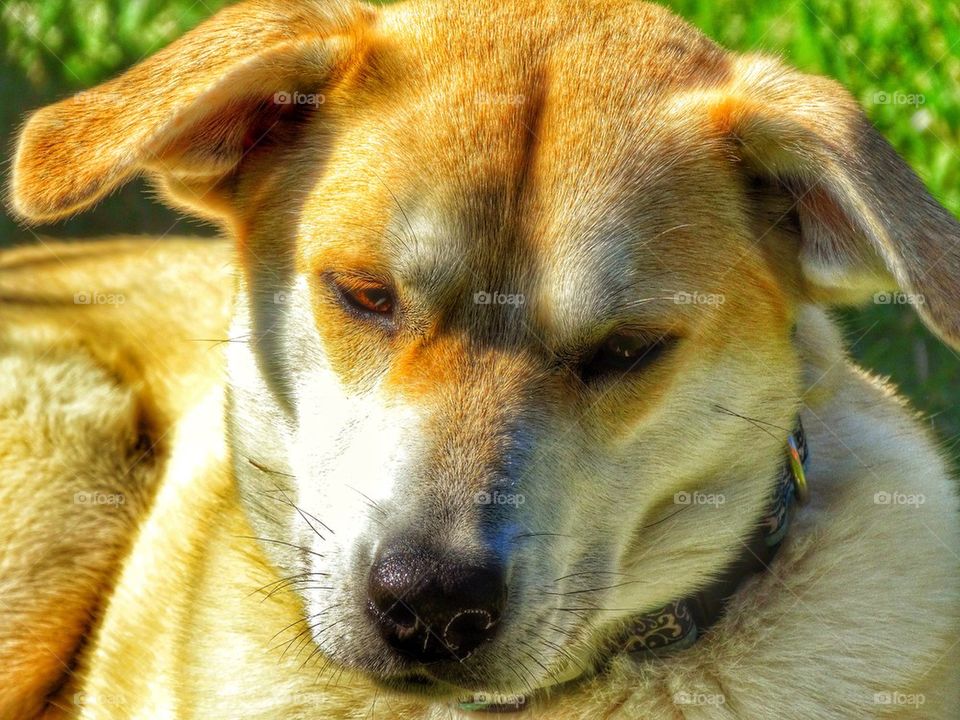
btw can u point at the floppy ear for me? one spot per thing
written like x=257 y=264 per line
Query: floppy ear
x=867 y=222
x=188 y=113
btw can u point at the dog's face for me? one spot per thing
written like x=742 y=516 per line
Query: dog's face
x=517 y=294
x=504 y=332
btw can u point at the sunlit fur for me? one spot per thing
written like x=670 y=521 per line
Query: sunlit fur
x=604 y=162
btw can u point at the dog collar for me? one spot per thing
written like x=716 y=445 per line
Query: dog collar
x=678 y=624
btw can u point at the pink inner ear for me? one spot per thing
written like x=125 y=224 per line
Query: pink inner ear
x=214 y=136
x=816 y=204
x=835 y=254
x=265 y=115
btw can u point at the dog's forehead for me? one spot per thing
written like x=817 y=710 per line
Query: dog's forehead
x=554 y=120
x=530 y=153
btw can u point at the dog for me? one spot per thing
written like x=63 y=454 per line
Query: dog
x=513 y=390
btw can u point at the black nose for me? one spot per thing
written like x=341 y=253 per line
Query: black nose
x=433 y=608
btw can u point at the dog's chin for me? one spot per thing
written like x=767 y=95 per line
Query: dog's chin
x=455 y=683
x=481 y=675
x=425 y=686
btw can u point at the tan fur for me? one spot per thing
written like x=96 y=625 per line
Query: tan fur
x=592 y=156
x=86 y=419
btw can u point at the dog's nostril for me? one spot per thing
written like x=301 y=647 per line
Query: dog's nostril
x=468 y=628
x=433 y=610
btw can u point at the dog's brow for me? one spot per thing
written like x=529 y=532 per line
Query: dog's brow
x=593 y=282
x=422 y=248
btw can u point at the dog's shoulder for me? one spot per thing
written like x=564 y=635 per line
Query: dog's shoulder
x=153 y=311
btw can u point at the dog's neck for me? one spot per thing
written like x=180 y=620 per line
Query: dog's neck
x=678 y=624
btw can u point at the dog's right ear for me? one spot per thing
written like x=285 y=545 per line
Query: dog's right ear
x=190 y=112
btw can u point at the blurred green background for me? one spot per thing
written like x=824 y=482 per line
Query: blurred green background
x=901 y=58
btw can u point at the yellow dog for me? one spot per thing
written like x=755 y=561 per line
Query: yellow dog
x=512 y=391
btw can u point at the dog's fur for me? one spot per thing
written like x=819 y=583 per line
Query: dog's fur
x=600 y=161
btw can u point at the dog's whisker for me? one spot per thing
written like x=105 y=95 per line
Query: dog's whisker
x=315 y=587
x=539 y=662
x=560 y=650
x=561 y=631
x=596 y=589
x=300 y=620
x=538 y=535
x=403 y=212
x=282 y=581
x=280 y=542
x=757 y=423
x=243 y=340
x=591 y=573
x=316 y=636
x=343 y=669
x=389 y=232
x=523 y=680
x=370 y=501
x=270 y=471
x=530 y=629
x=532 y=681
x=308 y=634
x=307 y=631
x=664 y=519
x=304 y=515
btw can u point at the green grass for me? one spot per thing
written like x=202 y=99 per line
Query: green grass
x=51 y=47
x=76 y=43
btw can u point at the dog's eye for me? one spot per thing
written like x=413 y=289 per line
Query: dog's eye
x=623 y=353
x=366 y=296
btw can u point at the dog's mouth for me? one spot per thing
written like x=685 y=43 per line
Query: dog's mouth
x=434 y=682
x=417 y=684
x=487 y=685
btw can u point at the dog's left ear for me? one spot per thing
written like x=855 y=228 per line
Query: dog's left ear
x=867 y=223
x=189 y=114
